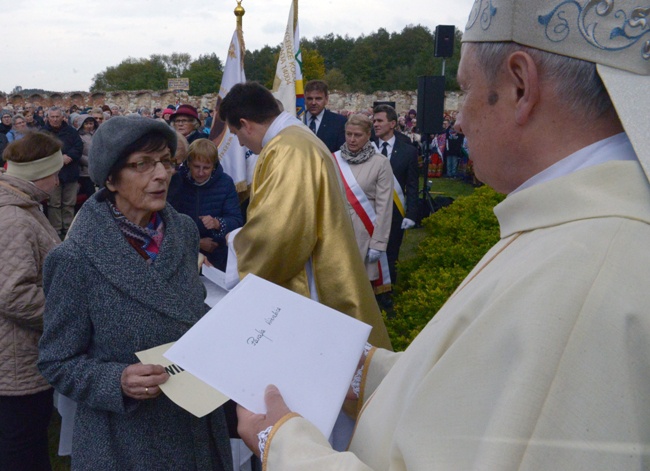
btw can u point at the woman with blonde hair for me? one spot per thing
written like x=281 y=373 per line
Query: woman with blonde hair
x=209 y=197
x=368 y=179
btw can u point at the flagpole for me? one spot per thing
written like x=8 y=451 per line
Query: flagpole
x=295 y=15
x=239 y=13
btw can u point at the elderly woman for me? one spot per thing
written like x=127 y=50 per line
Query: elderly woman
x=5 y=121
x=26 y=237
x=368 y=179
x=18 y=129
x=125 y=280
x=186 y=121
x=209 y=197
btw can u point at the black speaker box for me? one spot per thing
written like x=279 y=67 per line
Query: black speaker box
x=431 y=103
x=444 y=41
x=389 y=103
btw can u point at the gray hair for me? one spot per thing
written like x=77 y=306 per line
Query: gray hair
x=56 y=108
x=576 y=82
x=17 y=117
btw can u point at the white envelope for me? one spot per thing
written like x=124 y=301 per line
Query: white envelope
x=261 y=334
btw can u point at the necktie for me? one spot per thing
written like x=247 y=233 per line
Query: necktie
x=312 y=124
x=384 y=149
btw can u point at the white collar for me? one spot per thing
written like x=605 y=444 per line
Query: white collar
x=391 y=142
x=617 y=147
x=318 y=117
x=283 y=121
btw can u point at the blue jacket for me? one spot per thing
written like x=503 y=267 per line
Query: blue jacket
x=217 y=198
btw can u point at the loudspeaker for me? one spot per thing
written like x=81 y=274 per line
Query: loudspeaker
x=444 y=41
x=431 y=103
x=389 y=103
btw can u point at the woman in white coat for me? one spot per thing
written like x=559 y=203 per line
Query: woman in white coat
x=368 y=180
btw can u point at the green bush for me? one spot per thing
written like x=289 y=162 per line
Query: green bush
x=457 y=237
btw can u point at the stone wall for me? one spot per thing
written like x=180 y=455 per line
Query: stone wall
x=132 y=101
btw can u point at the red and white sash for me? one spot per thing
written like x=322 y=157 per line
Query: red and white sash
x=363 y=207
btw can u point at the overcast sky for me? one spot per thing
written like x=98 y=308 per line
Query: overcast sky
x=59 y=45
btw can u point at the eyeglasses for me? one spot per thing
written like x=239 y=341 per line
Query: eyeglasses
x=146 y=166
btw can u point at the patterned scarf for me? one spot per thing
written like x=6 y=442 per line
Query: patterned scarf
x=364 y=153
x=145 y=240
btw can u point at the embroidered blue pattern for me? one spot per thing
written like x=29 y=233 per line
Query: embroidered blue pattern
x=631 y=28
x=484 y=10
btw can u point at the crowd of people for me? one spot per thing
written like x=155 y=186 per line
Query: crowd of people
x=538 y=361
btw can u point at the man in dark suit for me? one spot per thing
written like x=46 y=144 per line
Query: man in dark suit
x=328 y=126
x=404 y=162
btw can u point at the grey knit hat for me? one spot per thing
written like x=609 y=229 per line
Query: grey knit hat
x=115 y=136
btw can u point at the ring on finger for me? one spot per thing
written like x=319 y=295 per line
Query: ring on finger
x=146 y=390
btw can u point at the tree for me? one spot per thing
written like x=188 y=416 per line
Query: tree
x=313 y=65
x=132 y=74
x=336 y=80
x=205 y=74
x=260 y=65
x=176 y=64
x=379 y=61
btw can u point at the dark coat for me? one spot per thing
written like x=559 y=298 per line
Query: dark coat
x=404 y=162
x=3 y=143
x=103 y=304
x=73 y=147
x=217 y=198
x=194 y=135
x=332 y=130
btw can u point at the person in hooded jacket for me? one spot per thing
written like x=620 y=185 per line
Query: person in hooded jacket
x=26 y=237
x=208 y=196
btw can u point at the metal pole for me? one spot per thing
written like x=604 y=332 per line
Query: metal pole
x=444 y=60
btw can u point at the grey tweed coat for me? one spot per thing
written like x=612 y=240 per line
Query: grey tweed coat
x=103 y=304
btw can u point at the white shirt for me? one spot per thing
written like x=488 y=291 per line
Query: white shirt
x=319 y=118
x=389 y=147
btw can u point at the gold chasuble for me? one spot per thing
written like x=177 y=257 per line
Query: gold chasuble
x=297 y=214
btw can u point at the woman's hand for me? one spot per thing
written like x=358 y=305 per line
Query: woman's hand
x=210 y=223
x=208 y=245
x=141 y=381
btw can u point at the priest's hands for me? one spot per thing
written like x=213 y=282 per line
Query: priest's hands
x=250 y=424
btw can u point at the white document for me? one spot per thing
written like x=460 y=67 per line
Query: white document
x=215 y=275
x=182 y=387
x=214 y=292
x=262 y=334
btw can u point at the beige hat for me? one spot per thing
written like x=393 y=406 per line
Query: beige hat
x=614 y=34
